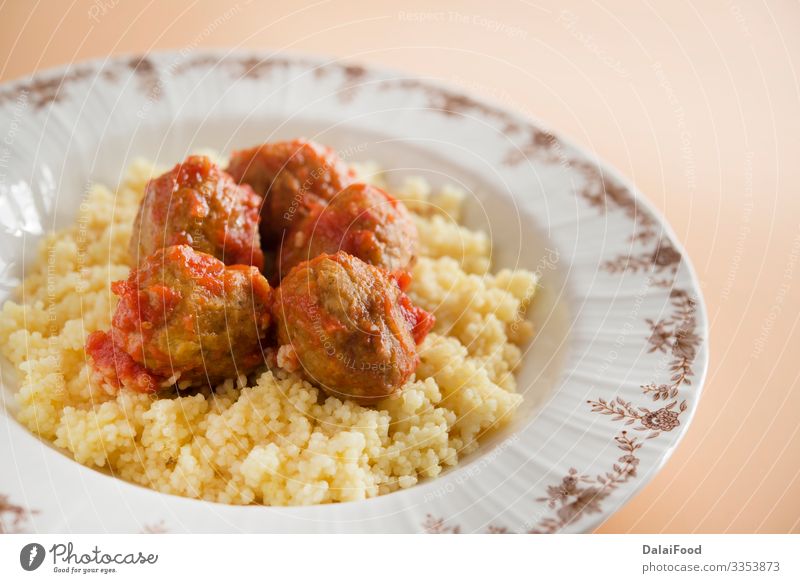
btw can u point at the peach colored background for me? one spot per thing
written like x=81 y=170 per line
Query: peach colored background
x=698 y=105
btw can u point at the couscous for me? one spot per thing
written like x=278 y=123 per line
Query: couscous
x=271 y=437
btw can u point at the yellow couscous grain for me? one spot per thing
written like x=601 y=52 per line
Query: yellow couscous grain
x=271 y=439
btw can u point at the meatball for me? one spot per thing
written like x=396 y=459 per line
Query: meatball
x=184 y=317
x=348 y=326
x=115 y=366
x=198 y=204
x=363 y=221
x=294 y=177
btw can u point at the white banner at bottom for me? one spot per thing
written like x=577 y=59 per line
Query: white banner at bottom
x=387 y=558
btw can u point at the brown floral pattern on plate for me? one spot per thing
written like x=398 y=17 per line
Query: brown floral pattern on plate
x=658 y=255
x=13 y=517
x=663 y=419
x=535 y=142
x=43 y=91
x=434 y=525
x=159 y=527
x=577 y=495
x=573 y=497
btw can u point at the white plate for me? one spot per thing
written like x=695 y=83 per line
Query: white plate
x=621 y=313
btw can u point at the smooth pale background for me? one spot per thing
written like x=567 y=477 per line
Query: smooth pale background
x=698 y=104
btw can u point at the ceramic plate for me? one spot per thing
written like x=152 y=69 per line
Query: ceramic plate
x=611 y=381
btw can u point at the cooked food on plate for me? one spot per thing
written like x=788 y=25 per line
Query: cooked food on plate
x=293 y=177
x=198 y=204
x=362 y=220
x=148 y=340
x=348 y=328
x=183 y=317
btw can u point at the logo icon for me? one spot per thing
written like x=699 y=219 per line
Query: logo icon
x=31 y=556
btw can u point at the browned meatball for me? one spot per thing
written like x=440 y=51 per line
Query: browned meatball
x=363 y=221
x=184 y=315
x=348 y=327
x=293 y=176
x=198 y=204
